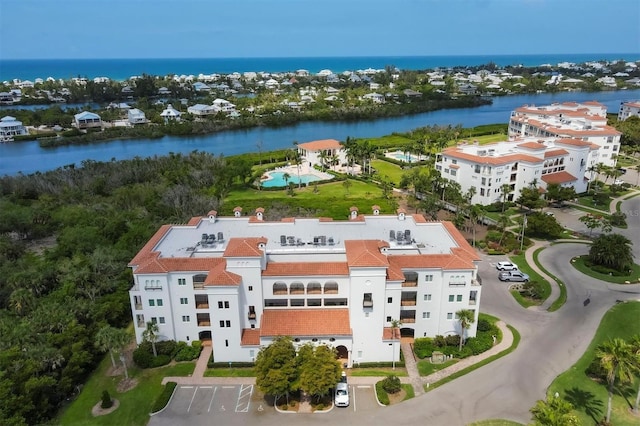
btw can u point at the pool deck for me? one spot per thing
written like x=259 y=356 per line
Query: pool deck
x=304 y=169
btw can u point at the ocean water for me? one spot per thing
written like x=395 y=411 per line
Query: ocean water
x=122 y=69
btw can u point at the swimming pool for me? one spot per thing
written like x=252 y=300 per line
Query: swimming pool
x=407 y=158
x=277 y=179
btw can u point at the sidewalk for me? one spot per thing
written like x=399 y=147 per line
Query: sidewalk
x=413 y=377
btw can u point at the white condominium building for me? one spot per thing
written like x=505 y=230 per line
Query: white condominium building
x=517 y=163
x=629 y=109
x=586 y=121
x=241 y=281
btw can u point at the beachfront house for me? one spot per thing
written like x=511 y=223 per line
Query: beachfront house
x=170 y=114
x=325 y=153
x=201 y=110
x=87 y=120
x=10 y=127
x=239 y=282
x=136 y=116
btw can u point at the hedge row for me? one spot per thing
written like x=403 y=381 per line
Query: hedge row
x=166 y=350
x=163 y=399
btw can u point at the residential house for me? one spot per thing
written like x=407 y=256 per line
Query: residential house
x=87 y=120
x=629 y=109
x=376 y=98
x=321 y=152
x=10 y=127
x=240 y=282
x=202 y=110
x=170 y=114
x=136 y=116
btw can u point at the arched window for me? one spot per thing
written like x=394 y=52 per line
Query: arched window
x=314 y=287
x=331 y=287
x=279 y=288
x=296 y=288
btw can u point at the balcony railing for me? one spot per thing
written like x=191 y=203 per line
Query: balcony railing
x=457 y=283
x=198 y=286
x=141 y=324
x=281 y=292
x=410 y=284
x=138 y=306
x=252 y=315
x=314 y=291
x=153 y=287
x=202 y=305
x=204 y=323
x=331 y=291
x=367 y=303
x=407 y=303
x=472 y=301
x=407 y=320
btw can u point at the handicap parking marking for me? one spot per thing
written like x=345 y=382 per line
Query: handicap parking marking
x=244 y=398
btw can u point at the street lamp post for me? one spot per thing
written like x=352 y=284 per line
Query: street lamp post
x=524 y=225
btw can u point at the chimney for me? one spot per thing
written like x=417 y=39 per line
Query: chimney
x=212 y=216
x=237 y=212
x=353 y=213
x=260 y=213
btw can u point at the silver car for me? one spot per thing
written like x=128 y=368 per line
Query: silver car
x=513 y=276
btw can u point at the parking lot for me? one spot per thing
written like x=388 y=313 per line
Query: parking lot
x=240 y=404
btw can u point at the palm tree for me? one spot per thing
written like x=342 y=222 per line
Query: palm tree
x=466 y=318
x=612 y=250
x=617 y=360
x=297 y=160
x=111 y=339
x=21 y=300
x=554 y=411
x=151 y=335
x=395 y=325
x=286 y=178
x=505 y=189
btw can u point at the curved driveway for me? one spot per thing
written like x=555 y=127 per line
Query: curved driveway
x=551 y=343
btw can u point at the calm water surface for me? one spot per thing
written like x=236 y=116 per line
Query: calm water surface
x=28 y=157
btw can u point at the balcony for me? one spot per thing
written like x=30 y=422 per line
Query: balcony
x=198 y=286
x=281 y=292
x=252 y=315
x=457 y=283
x=410 y=284
x=138 y=306
x=203 y=305
x=153 y=287
x=141 y=324
x=407 y=302
x=297 y=291
x=203 y=320
x=314 y=291
x=472 y=301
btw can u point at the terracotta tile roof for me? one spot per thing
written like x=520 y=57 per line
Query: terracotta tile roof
x=432 y=261
x=321 y=145
x=194 y=221
x=559 y=177
x=365 y=253
x=574 y=142
x=394 y=273
x=502 y=159
x=305 y=322
x=463 y=244
x=147 y=248
x=555 y=153
x=157 y=264
x=250 y=337
x=219 y=276
x=532 y=145
x=277 y=269
x=244 y=247
x=419 y=218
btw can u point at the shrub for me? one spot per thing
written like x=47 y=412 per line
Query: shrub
x=423 y=347
x=484 y=325
x=383 y=396
x=391 y=384
x=163 y=399
x=533 y=290
x=186 y=352
x=619 y=219
x=143 y=357
x=166 y=347
x=452 y=340
x=439 y=341
x=107 y=402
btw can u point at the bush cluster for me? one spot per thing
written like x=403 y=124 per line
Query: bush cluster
x=449 y=345
x=163 y=399
x=391 y=384
x=166 y=350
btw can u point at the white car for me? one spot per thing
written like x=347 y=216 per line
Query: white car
x=506 y=266
x=342 y=395
x=618 y=182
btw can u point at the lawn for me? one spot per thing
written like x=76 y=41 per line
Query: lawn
x=390 y=170
x=230 y=372
x=425 y=367
x=379 y=372
x=135 y=404
x=331 y=200
x=562 y=297
x=634 y=277
x=495 y=422
x=590 y=397
x=587 y=201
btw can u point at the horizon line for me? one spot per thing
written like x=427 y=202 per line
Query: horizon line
x=322 y=57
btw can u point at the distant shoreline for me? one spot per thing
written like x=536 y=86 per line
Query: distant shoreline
x=123 y=69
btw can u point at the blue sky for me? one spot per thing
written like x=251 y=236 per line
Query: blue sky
x=47 y=29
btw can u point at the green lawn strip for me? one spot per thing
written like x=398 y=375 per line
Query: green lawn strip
x=135 y=404
x=409 y=393
x=634 y=277
x=495 y=422
x=331 y=200
x=587 y=201
x=523 y=266
x=587 y=395
x=230 y=372
x=523 y=301
x=562 y=298
x=390 y=170
x=469 y=369
x=365 y=372
x=425 y=367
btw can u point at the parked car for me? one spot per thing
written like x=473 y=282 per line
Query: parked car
x=506 y=266
x=618 y=182
x=342 y=395
x=513 y=276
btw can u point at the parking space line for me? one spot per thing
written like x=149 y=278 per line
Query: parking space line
x=228 y=387
x=206 y=387
x=192 y=398
x=186 y=387
x=212 y=396
x=354 y=399
x=242 y=394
